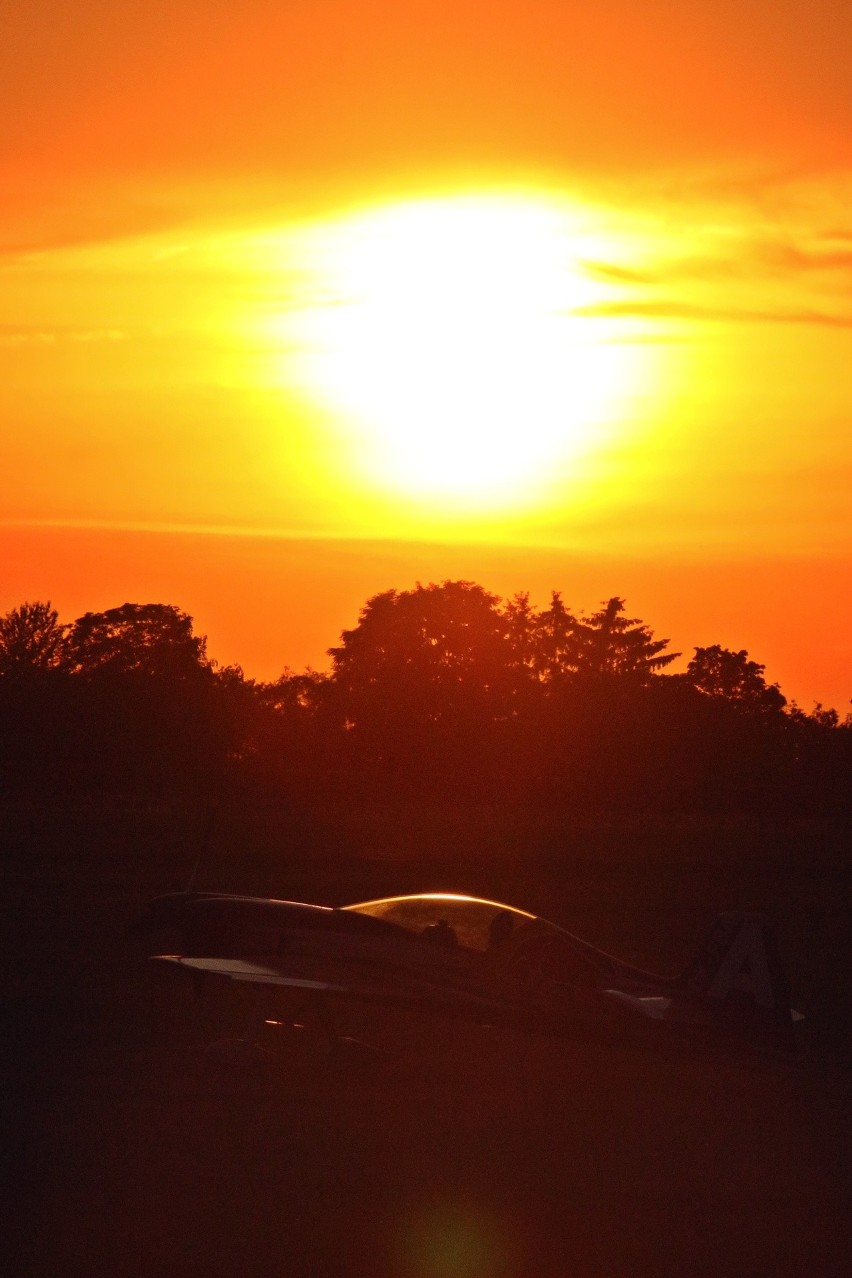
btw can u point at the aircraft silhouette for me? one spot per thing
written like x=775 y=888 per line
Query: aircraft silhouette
x=461 y=956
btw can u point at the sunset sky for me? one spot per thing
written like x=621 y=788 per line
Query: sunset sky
x=300 y=301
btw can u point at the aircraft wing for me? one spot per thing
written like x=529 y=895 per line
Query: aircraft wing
x=399 y=991
x=255 y=973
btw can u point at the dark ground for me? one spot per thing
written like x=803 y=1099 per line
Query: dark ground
x=472 y=1154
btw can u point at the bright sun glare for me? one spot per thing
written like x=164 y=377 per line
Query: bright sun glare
x=449 y=336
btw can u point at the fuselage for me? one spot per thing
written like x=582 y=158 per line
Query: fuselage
x=438 y=949
x=462 y=955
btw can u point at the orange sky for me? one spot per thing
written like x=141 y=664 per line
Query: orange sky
x=277 y=328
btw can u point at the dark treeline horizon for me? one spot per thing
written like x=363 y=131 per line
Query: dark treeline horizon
x=443 y=691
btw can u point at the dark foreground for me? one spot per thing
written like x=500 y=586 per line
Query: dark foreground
x=473 y=1153
x=555 y=1159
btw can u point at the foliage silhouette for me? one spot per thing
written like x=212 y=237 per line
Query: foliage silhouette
x=150 y=639
x=558 y=642
x=31 y=640
x=443 y=692
x=719 y=672
x=617 y=645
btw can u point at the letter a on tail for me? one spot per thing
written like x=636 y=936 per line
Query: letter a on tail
x=739 y=977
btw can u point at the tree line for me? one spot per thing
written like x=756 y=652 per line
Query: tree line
x=444 y=691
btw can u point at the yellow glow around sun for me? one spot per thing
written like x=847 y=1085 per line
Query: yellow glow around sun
x=447 y=335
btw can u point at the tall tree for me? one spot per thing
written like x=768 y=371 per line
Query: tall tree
x=559 y=641
x=429 y=647
x=720 y=672
x=149 y=639
x=420 y=682
x=521 y=630
x=613 y=644
x=31 y=639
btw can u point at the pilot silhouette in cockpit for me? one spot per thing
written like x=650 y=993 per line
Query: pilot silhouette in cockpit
x=440 y=933
x=501 y=928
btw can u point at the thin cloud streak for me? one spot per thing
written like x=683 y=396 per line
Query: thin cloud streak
x=15 y=337
x=674 y=309
x=171 y=528
x=775 y=260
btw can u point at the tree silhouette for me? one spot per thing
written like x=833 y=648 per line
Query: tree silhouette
x=719 y=672
x=522 y=623
x=423 y=676
x=146 y=639
x=31 y=640
x=444 y=689
x=431 y=648
x=612 y=644
x=294 y=694
x=559 y=641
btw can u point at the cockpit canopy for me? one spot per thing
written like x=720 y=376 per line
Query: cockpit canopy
x=447 y=919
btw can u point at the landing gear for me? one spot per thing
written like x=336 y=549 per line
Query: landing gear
x=245 y=1056
x=304 y=1041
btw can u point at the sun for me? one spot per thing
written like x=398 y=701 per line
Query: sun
x=451 y=337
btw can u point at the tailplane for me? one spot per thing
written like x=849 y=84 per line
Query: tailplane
x=740 y=982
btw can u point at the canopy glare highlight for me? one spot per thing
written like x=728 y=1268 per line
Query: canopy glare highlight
x=447 y=337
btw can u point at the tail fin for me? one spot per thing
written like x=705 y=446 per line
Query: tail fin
x=739 y=979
